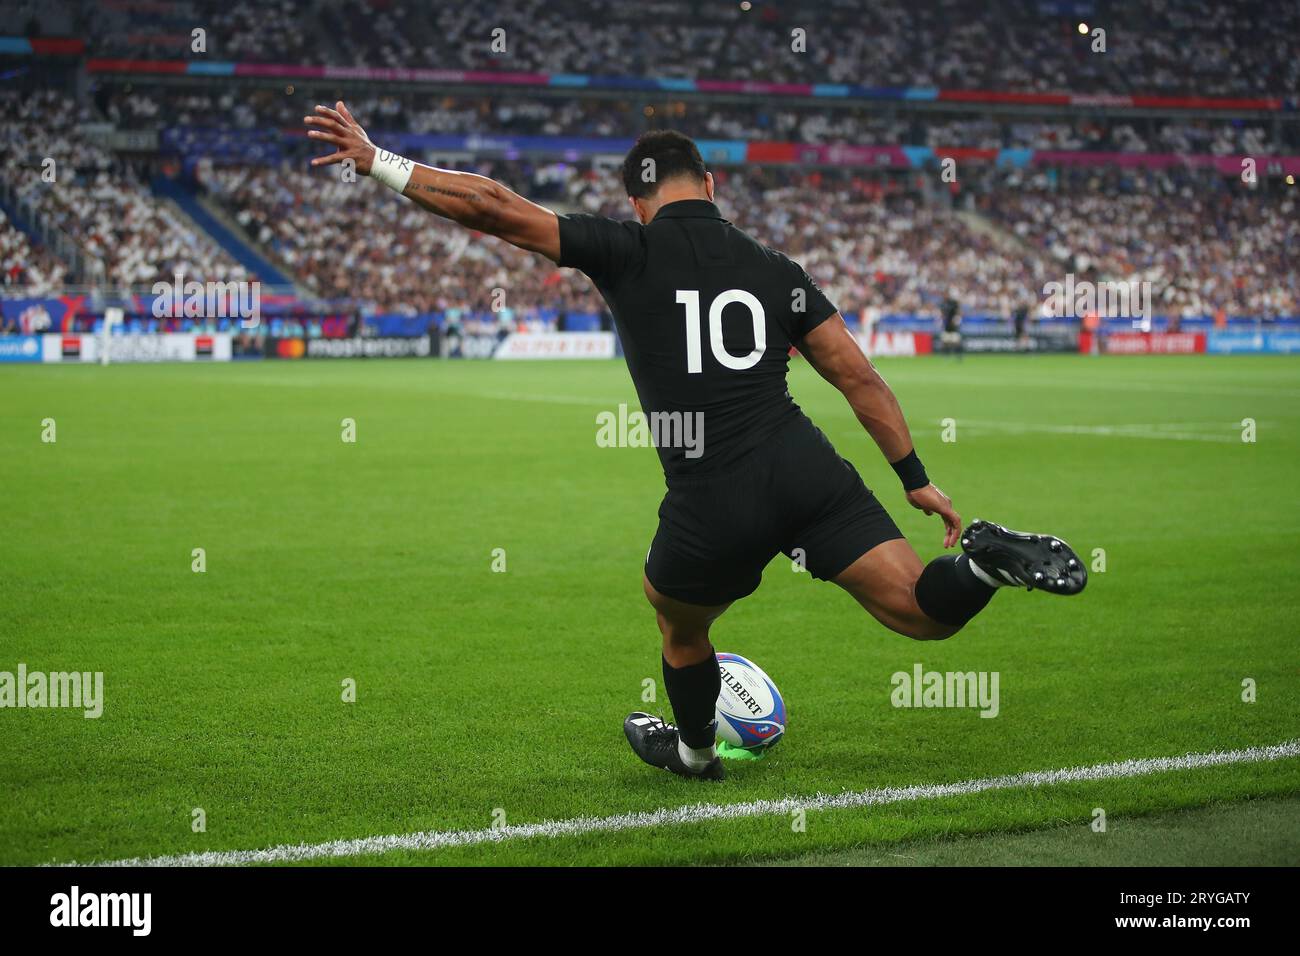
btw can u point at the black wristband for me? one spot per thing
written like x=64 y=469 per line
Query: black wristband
x=910 y=471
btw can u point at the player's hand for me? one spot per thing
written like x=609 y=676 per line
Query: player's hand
x=933 y=501
x=338 y=128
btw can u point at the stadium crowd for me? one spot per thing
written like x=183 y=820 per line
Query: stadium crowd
x=1204 y=243
x=872 y=240
x=240 y=108
x=1236 y=49
x=889 y=241
x=876 y=244
x=26 y=264
x=129 y=237
x=323 y=230
x=875 y=240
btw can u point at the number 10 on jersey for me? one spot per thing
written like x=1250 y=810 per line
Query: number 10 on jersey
x=694 y=351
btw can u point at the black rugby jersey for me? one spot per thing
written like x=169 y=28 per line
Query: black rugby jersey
x=706 y=316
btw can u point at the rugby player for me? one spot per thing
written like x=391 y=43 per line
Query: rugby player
x=950 y=338
x=707 y=317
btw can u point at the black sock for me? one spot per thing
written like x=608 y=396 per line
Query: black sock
x=949 y=591
x=693 y=691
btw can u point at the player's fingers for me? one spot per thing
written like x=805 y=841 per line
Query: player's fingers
x=334 y=138
x=330 y=159
x=332 y=114
x=953 y=522
x=344 y=111
x=324 y=122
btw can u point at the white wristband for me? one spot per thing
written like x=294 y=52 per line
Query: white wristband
x=390 y=169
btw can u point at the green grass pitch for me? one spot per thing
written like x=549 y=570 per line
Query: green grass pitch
x=485 y=696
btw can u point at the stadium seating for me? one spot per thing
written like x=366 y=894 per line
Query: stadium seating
x=24 y=264
x=871 y=239
x=128 y=236
x=1202 y=242
x=896 y=241
x=956 y=44
x=324 y=231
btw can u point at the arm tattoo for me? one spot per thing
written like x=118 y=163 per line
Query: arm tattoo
x=484 y=218
x=455 y=193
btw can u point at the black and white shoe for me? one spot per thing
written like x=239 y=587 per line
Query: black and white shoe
x=655 y=742
x=1028 y=560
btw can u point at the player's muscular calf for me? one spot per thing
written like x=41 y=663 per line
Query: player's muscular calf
x=883 y=581
x=685 y=627
x=473 y=201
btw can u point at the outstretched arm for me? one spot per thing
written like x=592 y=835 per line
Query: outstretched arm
x=831 y=349
x=474 y=201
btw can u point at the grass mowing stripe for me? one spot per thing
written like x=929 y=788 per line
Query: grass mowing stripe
x=1231 y=434
x=702 y=812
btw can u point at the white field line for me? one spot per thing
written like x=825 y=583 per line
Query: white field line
x=703 y=812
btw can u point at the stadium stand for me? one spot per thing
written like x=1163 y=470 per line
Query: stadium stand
x=315 y=226
x=1201 y=245
x=416 y=112
x=955 y=43
x=128 y=236
x=166 y=171
x=24 y=264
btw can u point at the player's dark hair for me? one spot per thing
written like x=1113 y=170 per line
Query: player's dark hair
x=674 y=154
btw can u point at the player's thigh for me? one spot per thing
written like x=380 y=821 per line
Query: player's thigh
x=835 y=517
x=708 y=551
x=883 y=581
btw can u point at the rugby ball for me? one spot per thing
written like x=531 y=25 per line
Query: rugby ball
x=750 y=711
